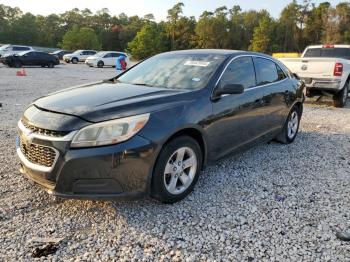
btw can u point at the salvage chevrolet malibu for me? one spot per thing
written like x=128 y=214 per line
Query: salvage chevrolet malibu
x=150 y=130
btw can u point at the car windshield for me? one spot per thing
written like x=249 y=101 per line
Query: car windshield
x=4 y=47
x=56 y=52
x=78 y=52
x=174 y=71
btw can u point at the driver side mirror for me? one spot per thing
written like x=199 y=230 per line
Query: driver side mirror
x=229 y=89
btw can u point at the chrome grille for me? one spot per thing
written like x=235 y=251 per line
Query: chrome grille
x=41 y=131
x=37 y=154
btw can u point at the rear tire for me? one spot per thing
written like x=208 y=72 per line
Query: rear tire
x=340 y=99
x=100 y=64
x=291 y=127
x=177 y=170
x=75 y=60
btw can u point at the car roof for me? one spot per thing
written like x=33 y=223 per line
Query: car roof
x=224 y=52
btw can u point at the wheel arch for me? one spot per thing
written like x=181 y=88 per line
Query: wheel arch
x=192 y=132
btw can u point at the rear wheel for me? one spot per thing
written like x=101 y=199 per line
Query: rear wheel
x=339 y=99
x=100 y=64
x=75 y=60
x=177 y=170
x=291 y=127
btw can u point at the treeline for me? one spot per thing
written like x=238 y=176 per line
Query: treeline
x=298 y=25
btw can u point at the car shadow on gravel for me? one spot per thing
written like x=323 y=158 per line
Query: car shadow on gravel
x=242 y=188
x=325 y=101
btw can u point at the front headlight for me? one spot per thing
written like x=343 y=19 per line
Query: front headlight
x=109 y=132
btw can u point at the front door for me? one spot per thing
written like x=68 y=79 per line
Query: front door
x=238 y=119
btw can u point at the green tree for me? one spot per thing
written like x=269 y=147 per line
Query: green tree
x=180 y=29
x=150 y=40
x=261 y=41
x=83 y=38
x=212 y=29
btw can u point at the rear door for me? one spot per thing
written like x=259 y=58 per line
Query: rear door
x=277 y=92
x=238 y=119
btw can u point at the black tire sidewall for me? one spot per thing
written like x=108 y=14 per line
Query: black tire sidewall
x=75 y=60
x=338 y=98
x=100 y=64
x=158 y=188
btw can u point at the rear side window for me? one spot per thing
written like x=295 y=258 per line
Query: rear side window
x=266 y=71
x=240 y=71
x=328 y=52
x=91 y=52
x=281 y=74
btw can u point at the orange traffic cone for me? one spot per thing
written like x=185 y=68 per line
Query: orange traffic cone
x=21 y=72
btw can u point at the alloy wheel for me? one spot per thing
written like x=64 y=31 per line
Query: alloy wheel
x=293 y=124
x=180 y=170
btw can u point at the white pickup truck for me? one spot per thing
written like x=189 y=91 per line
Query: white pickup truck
x=325 y=69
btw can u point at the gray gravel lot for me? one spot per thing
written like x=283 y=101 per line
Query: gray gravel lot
x=272 y=203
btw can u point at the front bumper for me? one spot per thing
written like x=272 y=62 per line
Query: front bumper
x=90 y=63
x=120 y=171
x=322 y=84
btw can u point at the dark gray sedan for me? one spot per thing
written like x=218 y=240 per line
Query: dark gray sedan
x=151 y=130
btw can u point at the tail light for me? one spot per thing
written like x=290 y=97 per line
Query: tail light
x=338 y=69
x=328 y=46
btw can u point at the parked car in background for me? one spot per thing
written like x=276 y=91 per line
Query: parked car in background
x=151 y=130
x=325 y=69
x=14 y=49
x=60 y=53
x=78 y=56
x=105 y=58
x=30 y=58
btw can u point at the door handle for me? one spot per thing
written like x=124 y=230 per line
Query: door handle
x=260 y=101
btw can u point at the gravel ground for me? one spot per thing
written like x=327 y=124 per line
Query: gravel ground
x=271 y=203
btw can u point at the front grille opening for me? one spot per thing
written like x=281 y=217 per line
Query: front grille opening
x=40 y=155
x=41 y=131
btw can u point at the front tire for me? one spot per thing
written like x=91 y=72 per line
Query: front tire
x=339 y=99
x=291 y=127
x=17 y=64
x=100 y=64
x=50 y=65
x=177 y=170
x=75 y=60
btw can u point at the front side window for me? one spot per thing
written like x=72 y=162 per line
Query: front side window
x=266 y=71
x=20 y=48
x=240 y=71
x=174 y=71
x=108 y=55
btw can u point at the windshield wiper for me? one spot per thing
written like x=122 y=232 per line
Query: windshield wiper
x=141 y=84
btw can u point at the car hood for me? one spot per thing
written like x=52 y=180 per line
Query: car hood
x=103 y=101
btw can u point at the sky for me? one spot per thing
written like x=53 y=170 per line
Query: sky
x=157 y=7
